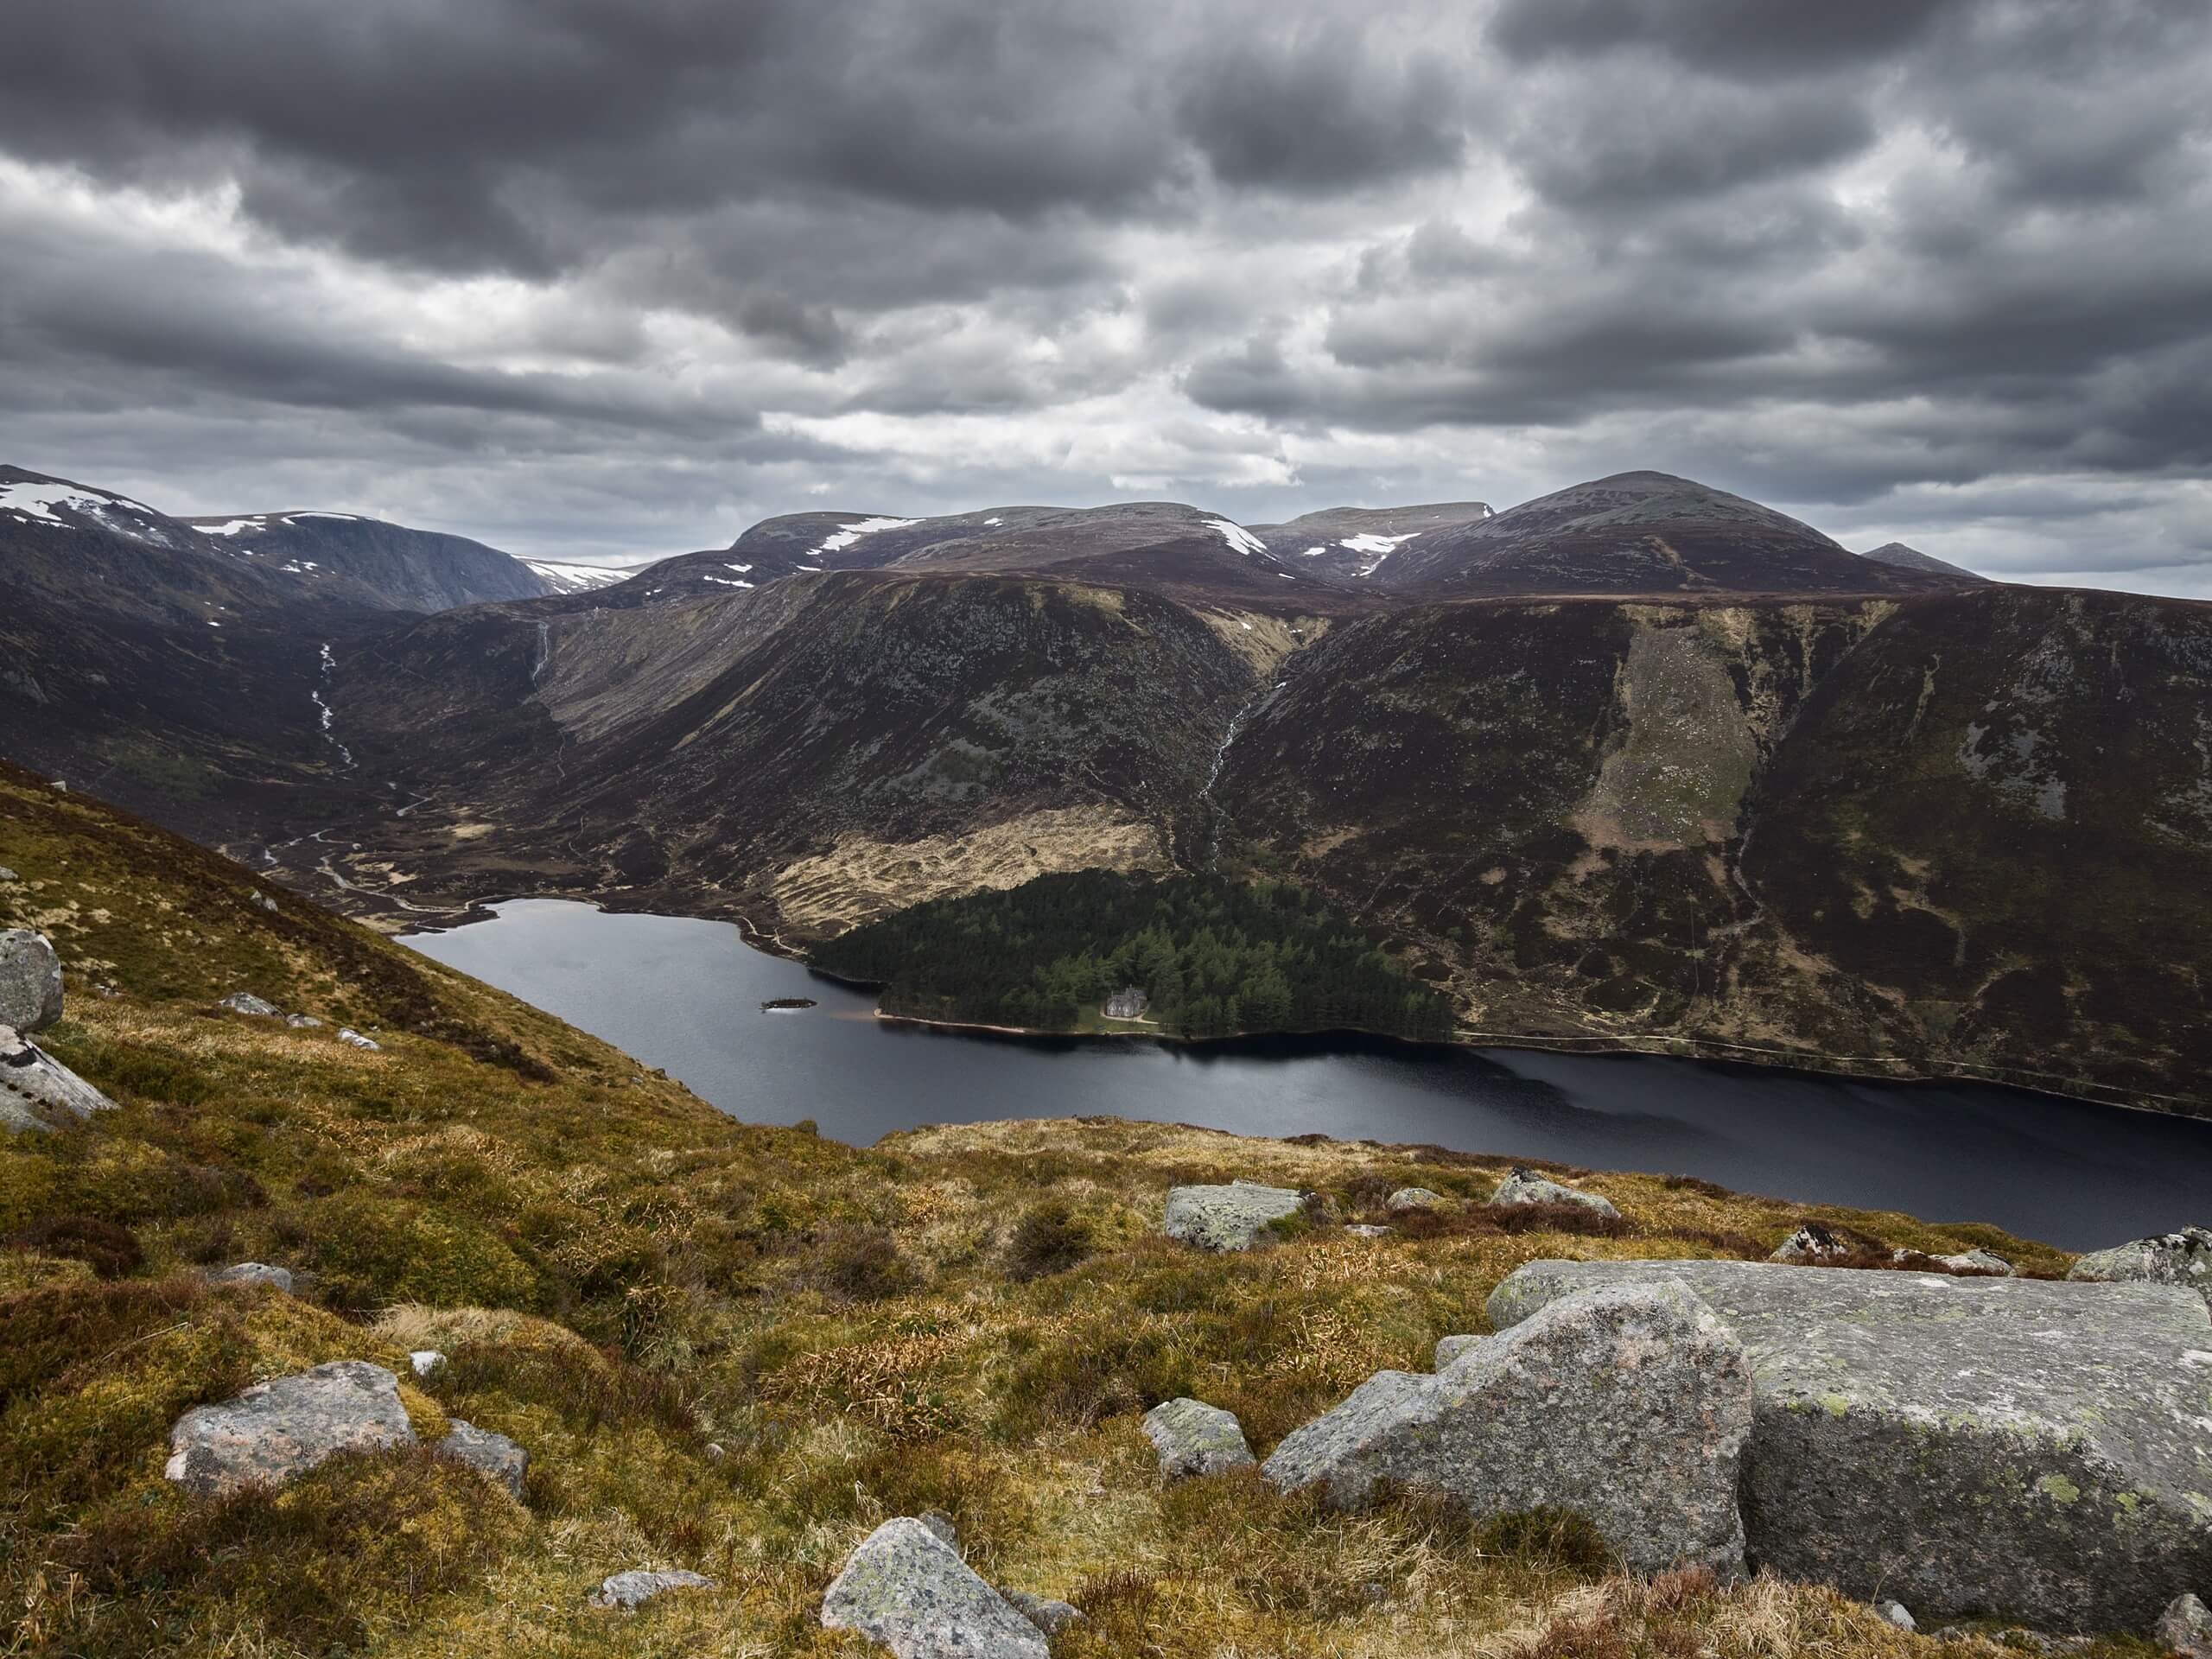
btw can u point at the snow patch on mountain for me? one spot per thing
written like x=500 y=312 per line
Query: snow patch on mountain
x=1237 y=536
x=1377 y=548
x=37 y=500
x=848 y=534
x=574 y=578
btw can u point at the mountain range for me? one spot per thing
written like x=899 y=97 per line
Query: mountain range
x=1639 y=764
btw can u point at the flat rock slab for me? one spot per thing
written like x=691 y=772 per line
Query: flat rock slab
x=1230 y=1218
x=909 y=1590
x=2012 y=1447
x=626 y=1590
x=496 y=1456
x=38 y=1094
x=1193 y=1437
x=30 y=980
x=280 y=1429
x=1629 y=1405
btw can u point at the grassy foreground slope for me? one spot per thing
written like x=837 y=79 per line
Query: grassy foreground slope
x=726 y=1348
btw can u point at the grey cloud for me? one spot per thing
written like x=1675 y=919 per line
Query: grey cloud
x=1620 y=138
x=1322 y=112
x=1866 y=261
x=1752 y=37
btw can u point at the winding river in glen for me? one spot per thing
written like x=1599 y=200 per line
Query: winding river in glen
x=686 y=995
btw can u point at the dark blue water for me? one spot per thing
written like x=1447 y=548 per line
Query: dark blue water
x=685 y=995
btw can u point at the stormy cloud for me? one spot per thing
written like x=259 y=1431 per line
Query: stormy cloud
x=613 y=277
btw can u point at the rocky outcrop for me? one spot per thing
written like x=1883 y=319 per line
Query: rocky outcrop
x=1812 y=1245
x=495 y=1454
x=2185 y=1628
x=1412 y=1198
x=1898 y=1614
x=1526 y=1186
x=1232 y=1217
x=2009 y=1446
x=30 y=980
x=2183 y=1258
x=626 y=1590
x=246 y=1002
x=1193 y=1437
x=908 y=1589
x=253 y=1273
x=353 y=1039
x=277 y=1430
x=37 y=1092
x=1628 y=1404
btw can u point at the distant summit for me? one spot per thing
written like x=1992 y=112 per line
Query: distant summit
x=1642 y=532
x=385 y=564
x=1911 y=558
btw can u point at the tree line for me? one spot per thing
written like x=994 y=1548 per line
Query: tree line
x=1215 y=957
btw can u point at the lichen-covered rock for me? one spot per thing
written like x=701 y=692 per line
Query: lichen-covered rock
x=495 y=1454
x=1193 y=1437
x=1898 y=1614
x=908 y=1589
x=1450 y=1348
x=1230 y=1218
x=2183 y=1258
x=353 y=1039
x=2185 y=1628
x=30 y=980
x=626 y=1590
x=302 y=1021
x=1526 y=1186
x=1629 y=1405
x=253 y=1273
x=37 y=1092
x=247 y=1003
x=1812 y=1245
x=1412 y=1198
x=2015 y=1447
x=277 y=1430
x=1049 y=1617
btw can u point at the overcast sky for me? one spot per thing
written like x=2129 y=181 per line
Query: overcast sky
x=608 y=279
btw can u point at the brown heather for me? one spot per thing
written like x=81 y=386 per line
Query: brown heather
x=622 y=1277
